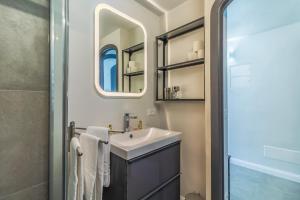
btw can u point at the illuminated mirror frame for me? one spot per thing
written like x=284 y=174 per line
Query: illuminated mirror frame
x=98 y=9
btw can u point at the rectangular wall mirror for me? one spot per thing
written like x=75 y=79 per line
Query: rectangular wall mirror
x=120 y=54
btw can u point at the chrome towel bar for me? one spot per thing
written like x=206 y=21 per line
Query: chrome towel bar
x=73 y=133
x=110 y=131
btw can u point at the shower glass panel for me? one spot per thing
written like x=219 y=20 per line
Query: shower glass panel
x=262 y=99
x=58 y=99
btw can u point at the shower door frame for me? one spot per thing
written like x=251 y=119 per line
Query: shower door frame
x=218 y=137
x=58 y=116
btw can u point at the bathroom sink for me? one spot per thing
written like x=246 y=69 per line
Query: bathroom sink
x=136 y=143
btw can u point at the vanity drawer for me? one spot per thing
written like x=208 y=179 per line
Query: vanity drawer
x=148 y=172
x=169 y=192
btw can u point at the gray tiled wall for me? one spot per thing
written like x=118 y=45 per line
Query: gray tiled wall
x=24 y=94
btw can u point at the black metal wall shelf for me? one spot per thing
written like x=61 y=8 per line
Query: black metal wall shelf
x=130 y=51
x=164 y=40
x=134 y=48
x=170 y=100
x=134 y=73
x=182 y=29
x=182 y=64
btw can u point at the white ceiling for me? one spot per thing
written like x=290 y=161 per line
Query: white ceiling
x=168 y=4
x=160 y=6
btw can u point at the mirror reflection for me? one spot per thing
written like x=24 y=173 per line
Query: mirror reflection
x=121 y=56
x=109 y=68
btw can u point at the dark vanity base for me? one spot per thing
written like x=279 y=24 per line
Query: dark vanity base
x=154 y=176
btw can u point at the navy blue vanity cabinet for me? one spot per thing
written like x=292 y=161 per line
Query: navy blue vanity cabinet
x=153 y=176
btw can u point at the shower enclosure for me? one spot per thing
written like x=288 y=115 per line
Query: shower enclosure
x=32 y=99
x=255 y=108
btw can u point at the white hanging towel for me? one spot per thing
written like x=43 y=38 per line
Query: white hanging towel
x=75 y=183
x=90 y=147
x=80 y=185
x=103 y=158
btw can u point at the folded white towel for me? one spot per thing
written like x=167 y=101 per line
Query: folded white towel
x=104 y=171
x=90 y=148
x=75 y=184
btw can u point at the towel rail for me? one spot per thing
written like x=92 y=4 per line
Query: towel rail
x=73 y=133
x=101 y=141
x=110 y=131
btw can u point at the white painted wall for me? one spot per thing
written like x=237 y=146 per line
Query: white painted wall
x=86 y=106
x=184 y=116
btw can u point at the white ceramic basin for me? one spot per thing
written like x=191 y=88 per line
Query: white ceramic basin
x=136 y=143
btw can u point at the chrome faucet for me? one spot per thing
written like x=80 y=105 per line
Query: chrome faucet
x=126 y=119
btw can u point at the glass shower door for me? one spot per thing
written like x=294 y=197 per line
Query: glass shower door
x=262 y=99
